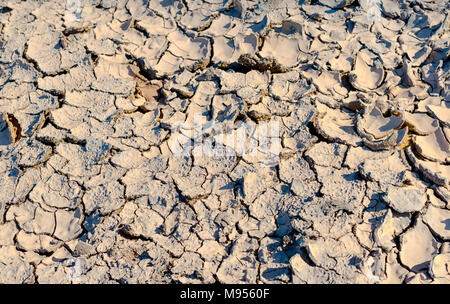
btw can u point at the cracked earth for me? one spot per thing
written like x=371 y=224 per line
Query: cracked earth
x=103 y=182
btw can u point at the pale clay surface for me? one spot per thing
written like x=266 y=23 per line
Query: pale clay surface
x=97 y=101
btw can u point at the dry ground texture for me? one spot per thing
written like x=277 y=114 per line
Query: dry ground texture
x=202 y=141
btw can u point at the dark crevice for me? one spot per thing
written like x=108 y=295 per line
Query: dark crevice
x=73 y=30
x=312 y=130
x=17 y=132
x=5 y=9
x=236 y=67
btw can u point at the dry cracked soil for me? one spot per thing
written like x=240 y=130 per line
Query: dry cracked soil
x=231 y=141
